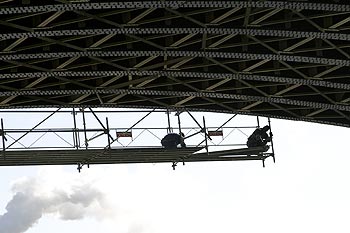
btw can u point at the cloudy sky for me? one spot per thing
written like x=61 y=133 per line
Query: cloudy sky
x=307 y=190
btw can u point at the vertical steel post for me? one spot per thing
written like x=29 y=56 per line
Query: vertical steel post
x=179 y=122
x=75 y=133
x=3 y=138
x=169 y=126
x=109 y=140
x=205 y=134
x=258 y=122
x=84 y=123
x=272 y=148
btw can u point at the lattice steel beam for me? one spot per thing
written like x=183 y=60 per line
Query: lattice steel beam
x=280 y=100
x=180 y=30
x=275 y=79
x=177 y=4
x=225 y=55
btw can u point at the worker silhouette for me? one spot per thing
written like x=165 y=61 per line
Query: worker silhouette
x=259 y=137
x=172 y=140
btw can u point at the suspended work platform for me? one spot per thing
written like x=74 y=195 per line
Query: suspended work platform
x=95 y=156
x=83 y=139
x=127 y=155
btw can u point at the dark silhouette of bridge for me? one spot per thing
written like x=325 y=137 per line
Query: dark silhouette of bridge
x=281 y=59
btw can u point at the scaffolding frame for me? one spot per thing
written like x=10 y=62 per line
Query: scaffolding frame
x=79 y=147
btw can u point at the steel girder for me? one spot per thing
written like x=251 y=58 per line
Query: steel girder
x=282 y=59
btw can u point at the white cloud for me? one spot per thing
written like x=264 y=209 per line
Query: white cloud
x=306 y=190
x=33 y=198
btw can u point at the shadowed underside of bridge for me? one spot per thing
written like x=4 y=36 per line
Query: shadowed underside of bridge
x=282 y=59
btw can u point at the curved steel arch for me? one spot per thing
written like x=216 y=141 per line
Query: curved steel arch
x=176 y=4
x=211 y=95
x=214 y=76
x=194 y=54
x=208 y=30
x=283 y=59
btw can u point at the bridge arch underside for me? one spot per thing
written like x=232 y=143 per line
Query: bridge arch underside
x=272 y=58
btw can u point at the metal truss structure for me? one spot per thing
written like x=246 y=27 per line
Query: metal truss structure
x=84 y=137
x=282 y=59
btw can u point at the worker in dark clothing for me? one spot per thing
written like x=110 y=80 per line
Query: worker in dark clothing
x=172 y=140
x=259 y=137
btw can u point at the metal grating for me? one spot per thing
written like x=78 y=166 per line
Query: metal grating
x=114 y=156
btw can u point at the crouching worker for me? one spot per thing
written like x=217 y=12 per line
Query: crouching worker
x=259 y=137
x=172 y=140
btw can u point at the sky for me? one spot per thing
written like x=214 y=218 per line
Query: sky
x=306 y=190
